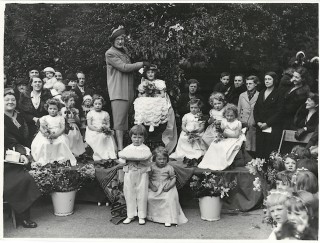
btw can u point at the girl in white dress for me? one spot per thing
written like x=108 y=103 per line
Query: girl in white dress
x=51 y=143
x=220 y=155
x=98 y=121
x=163 y=198
x=218 y=102
x=71 y=114
x=192 y=127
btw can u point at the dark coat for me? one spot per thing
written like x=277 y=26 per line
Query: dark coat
x=268 y=111
x=224 y=89
x=182 y=104
x=29 y=112
x=301 y=116
x=19 y=189
x=292 y=102
x=234 y=94
x=87 y=91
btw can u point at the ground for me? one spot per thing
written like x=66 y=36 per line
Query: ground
x=92 y=221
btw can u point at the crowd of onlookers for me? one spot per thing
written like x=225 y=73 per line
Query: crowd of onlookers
x=58 y=118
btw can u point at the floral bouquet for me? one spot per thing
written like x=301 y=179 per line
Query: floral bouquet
x=210 y=184
x=59 y=176
x=47 y=132
x=268 y=173
x=107 y=130
x=193 y=137
x=147 y=88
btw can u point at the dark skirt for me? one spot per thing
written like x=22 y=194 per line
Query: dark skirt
x=267 y=142
x=20 y=189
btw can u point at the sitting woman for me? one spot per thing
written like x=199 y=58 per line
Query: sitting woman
x=307 y=117
x=19 y=190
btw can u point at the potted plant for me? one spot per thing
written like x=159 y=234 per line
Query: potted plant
x=210 y=188
x=62 y=181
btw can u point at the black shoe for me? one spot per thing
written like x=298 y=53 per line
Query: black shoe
x=27 y=223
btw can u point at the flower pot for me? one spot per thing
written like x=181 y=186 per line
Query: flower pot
x=210 y=208
x=63 y=203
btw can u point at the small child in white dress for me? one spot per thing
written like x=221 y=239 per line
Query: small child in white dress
x=51 y=144
x=218 y=102
x=71 y=115
x=163 y=198
x=220 y=155
x=190 y=142
x=136 y=157
x=98 y=134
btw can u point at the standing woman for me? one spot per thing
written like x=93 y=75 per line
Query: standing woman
x=120 y=81
x=19 y=188
x=31 y=105
x=247 y=101
x=295 y=96
x=267 y=115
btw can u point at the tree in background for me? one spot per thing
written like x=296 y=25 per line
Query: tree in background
x=184 y=40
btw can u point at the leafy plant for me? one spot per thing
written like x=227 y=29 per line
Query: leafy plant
x=211 y=184
x=59 y=176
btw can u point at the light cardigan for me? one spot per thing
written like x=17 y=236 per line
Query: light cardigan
x=119 y=73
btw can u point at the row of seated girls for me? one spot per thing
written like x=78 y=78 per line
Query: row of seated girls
x=292 y=206
x=221 y=140
x=59 y=136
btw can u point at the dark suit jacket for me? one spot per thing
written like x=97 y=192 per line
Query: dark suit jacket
x=300 y=119
x=29 y=112
x=87 y=91
x=269 y=111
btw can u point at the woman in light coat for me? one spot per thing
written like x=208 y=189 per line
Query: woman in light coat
x=120 y=81
x=247 y=101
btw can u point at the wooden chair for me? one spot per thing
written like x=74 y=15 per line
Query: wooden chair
x=288 y=136
x=12 y=214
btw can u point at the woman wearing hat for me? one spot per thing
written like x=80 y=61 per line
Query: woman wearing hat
x=120 y=81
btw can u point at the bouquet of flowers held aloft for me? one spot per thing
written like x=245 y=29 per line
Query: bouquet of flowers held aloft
x=211 y=184
x=107 y=130
x=47 y=132
x=60 y=176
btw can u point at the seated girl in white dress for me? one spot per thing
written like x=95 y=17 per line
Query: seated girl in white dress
x=220 y=155
x=163 y=198
x=98 y=133
x=218 y=102
x=51 y=143
x=190 y=142
x=71 y=114
x=151 y=86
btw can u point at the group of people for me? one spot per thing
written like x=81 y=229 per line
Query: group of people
x=58 y=118
x=293 y=202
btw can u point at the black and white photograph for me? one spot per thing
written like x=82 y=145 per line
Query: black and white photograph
x=160 y=120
